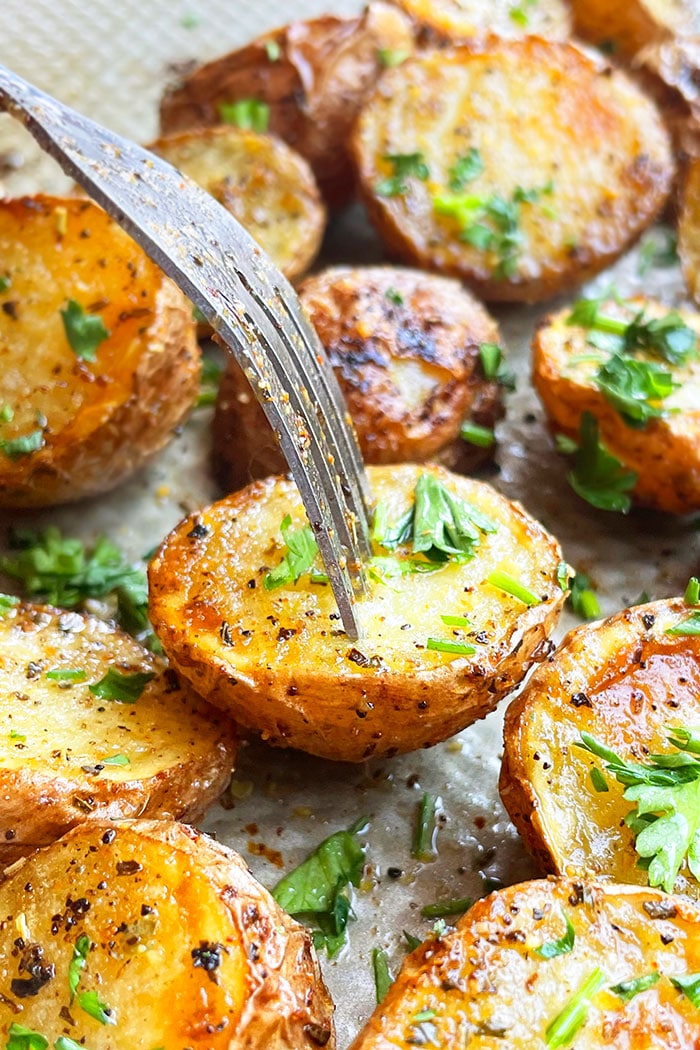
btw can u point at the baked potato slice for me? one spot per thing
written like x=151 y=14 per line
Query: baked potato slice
x=550 y=964
x=266 y=185
x=148 y=933
x=272 y=653
x=625 y=681
x=405 y=347
x=96 y=728
x=579 y=166
x=98 y=355
x=445 y=21
x=626 y=26
x=580 y=371
x=313 y=75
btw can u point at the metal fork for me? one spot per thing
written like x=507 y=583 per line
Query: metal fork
x=247 y=301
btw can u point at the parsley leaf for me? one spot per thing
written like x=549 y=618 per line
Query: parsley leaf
x=466 y=168
x=124 y=688
x=382 y=977
x=669 y=337
x=627 y=990
x=562 y=946
x=209 y=382
x=21 y=1038
x=444 y=524
x=316 y=890
x=77 y=963
x=493 y=367
x=250 y=114
x=509 y=585
x=634 y=388
x=565 y=1025
x=64 y=1042
x=404 y=165
x=91 y=1003
x=583 y=599
x=300 y=556
x=84 y=332
x=24 y=445
x=599 y=477
x=391 y=57
x=426 y=828
x=440 y=909
x=689 y=984
x=658 y=253
x=474 y=434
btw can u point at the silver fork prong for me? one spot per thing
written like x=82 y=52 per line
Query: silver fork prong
x=248 y=302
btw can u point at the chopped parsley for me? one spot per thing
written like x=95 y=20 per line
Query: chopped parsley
x=666 y=793
x=298 y=559
x=456 y=621
x=404 y=165
x=583 y=599
x=91 y=1003
x=690 y=627
x=446 y=645
x=20 y=737
x=390 y=57
x=115 y=760
x=562 y=946
x=5 y=283
x=382 y=977
x=425 y=832
x=411 y=942
x=14 y=448
x=467 y=167
x=627 y=990
x=657 y=253
x=635 y=388
x=272 y=50
x=77 y=963
x=84 y=331
x=667 y=337
x=689 y=984
x=566 y=1024
x=123 y=688
x=66 y=674
x=473 y=434
x=249 y=114
x=440 y=909
x=209 y=382
x=492 y=365
x=7 y=602
x=507 y=583
x=64 y=1042
x=22 y=1038
x=519 y=13
x=394 y=296
x=692 y=591
x=598 y=477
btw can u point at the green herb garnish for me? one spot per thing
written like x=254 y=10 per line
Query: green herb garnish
x=7 y=602
x=689 y=984
x=91 y=1003
x=405 y=165
x=394 y=296
x=272 y=50
x=249 y=114
x=298 y=559
x=493 y=367
x=440 y=909
x=446 y=645
x=467 y=167
x=627 y=990
x=382 y=977
x=598 y=781
x=123 y=688
x=583 y=599
x=652 y=253
x=23 y=446
x=5 y=283
x=444 y=524
x=64 y=1042
x=77 y=963
x=635 y=388
x=425 y=833
x=84 y=332
x=692 y=591
x=669 y=337
x=505 y=582
x=115 y=760
x=473 y=434
x=562 y=946
x=565 y=1025
x=20 y=737
x=411 y=942
x=66 y=674
x=598 y=477
x=456 y=621
x=209 y=382
x=391 y=57
x=21 y=1038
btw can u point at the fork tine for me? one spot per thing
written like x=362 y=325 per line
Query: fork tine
x=204 y=249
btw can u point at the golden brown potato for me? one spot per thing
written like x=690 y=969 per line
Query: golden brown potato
x=146 y=934
x=98 y=356
x=626 y=682
x=140 y=748
x=276 y=657
x=313 y=75
x=458 y=20
x=484 y=984
x=626 y=26
x=522 y=167
x=405 y=349
x=571 y=377
x=268 y=187
x=669 y=70
x=689 y=229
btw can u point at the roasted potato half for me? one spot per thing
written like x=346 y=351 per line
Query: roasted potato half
x=147 y=933
x=272 y=652
x=96 y=728
x=626 y=26
x=577 y=370
x=542 y=964
x=314 y=76
x=442 y=21
x=626 y=681
x=669 y=70
x=405 y=347
x=522 y=166
x=266 y=185
x=98 y=356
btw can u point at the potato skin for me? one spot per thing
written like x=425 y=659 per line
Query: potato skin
x=689 y=229
x=266 y=185
x=325 y=69
x=483 y=985
x=447 y=21
x=277 y=659
x=593 y=200
x=172 y=918
x=410 y=371
x=180 y=750
x=624 y=681
x=666 y=452
x=630 y=25
x=104 y=419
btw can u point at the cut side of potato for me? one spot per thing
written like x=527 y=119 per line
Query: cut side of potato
x=572 y=376
x=276 y=656
x=405 y=349
x=458 y=20
x=95 y=727
x=266 y=185
x=522 y=167
x=550 y=964
x=147 y=934
x=313 y=76
x=628 y=683
x=98 y=356
x=626 y=26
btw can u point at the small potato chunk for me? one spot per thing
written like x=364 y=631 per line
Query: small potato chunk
x=150 y=934
x=277 y=658
x=689 y=229
x=313 y=75
x=626 y=26
x=664 y=452
x=268 y=187
x=405 y=349
x=75 y=751
x=484 y=985
x=457 y=20
x=627 y=682
x=522 y=167
x=98 y=355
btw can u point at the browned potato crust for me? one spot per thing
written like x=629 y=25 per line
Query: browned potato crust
x=458 y=20
x=174 y=753
x=576 y=163
x=266 y=185
x=666 y=452
x=277 y=659
x=96 y=421
x=669 y=70
x=180 y=945
x=689 y=229
x=624 y=681
x=405 y=349
x=314 y=76
x=626 y=26
x=483 y=985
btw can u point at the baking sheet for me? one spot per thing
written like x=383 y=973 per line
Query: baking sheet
x=111 y=61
